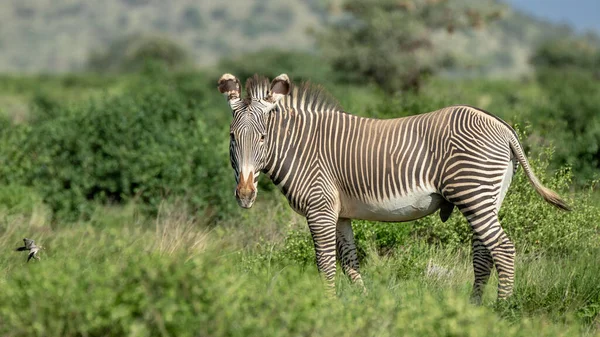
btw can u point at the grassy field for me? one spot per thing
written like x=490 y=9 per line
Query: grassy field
x=126 y=183
x=121 y=273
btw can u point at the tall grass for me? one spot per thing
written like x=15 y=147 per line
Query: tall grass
x=171 y=275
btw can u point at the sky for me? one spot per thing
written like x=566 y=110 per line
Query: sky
x=582 y=15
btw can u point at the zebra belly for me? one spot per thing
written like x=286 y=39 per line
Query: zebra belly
x=413 y=205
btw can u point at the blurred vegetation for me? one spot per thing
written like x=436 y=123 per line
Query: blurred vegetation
x=60 y=35
x=155 y=134
x=567 y=53
x=124 y=273
x=568 y=70
x=130 y=53
x=271 y=63
x=151 y=142
x=391 y=42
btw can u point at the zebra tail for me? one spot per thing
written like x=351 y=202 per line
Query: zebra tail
x=549 y=195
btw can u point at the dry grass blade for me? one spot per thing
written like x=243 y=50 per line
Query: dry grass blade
x=177 y=231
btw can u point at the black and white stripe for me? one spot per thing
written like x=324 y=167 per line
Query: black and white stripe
x=333 y=166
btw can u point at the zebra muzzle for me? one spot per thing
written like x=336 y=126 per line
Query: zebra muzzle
x=245 y=192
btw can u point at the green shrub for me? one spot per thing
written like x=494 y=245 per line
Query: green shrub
x=17 y=199
x=123 y=289
x=567 y=71
x=130 y=53
x=383 y=237
x=567 y=53
x=271 y=63
x=149 y=145
x=121 y=274
x=391 y=43
x=570 y=116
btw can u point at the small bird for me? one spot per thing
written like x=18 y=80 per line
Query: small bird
x=31 y=247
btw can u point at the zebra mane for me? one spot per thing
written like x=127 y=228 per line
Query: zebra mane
x=257 y=87
x=306 y=96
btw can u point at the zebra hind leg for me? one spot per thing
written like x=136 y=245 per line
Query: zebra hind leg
x=503 y=253
x=482 y=268
x=346 y=251
x=490 y=235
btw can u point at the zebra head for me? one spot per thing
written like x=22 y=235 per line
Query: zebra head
x=248 y=131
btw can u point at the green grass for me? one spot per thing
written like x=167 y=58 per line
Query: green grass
x=215 y=270
x=122 y=273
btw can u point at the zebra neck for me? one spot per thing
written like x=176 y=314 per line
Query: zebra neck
x=294 y=139
x=297 y=140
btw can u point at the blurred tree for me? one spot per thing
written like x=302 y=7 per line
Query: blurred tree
x=136 y=2
x=568 y=70
x=191 y=18
x=130 y=53
x=267 y=18
x=301 y=66
x=571 y=53
x=390 y=43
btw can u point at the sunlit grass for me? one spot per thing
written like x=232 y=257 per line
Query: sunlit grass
x=124 y=273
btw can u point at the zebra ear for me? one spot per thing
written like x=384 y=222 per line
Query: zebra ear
x=230 y=86
x=279 y=87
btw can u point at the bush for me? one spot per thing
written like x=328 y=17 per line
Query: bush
x=567 y=53
x=567 y=70
x=390 y=43
x=122 y=288
x=570 y=116
x=19 y=200
x=131 y=53
x=271 y=63
x=150 y=144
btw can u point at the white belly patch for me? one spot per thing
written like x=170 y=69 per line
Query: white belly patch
x=414 y=205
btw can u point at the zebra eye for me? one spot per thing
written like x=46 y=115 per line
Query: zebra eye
x=262 y=137
x=231 y=137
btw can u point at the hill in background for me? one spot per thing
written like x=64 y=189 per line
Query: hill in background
x=60 y=35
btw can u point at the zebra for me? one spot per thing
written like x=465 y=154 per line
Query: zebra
x=333 y=167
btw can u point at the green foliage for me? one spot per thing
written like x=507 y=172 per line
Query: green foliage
x=383 y=237
x=120 y=281
x=567 y=53
x=570 y=116
x=298 y=247
x=390 y=42
x=149 y=144
x=130 y=53
x=21 y=200
x=192 y=19
x=271 y=63
x=538 y=227
x=567 y=70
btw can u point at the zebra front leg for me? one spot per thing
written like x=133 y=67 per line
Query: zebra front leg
x=322 y=227
x=346 y=251
x=482 y=268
